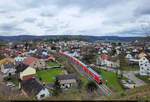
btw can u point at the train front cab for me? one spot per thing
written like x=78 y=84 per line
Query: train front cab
x=101 y=81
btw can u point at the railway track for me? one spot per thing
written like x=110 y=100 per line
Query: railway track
x=103 y=89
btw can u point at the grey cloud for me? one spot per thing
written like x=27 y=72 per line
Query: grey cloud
x=142 y=8
x=7 y=27
x=110 y=16
x=10 y=17
x=83 y=4
x=3 y=11
x=11 y=28
x=29 y=20
x=47 y=14
x=87 y=4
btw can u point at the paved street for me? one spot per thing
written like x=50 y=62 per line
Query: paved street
x=129 y=74
x=1 y=77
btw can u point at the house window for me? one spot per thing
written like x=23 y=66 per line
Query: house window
x=42 y=95
x=66 y=86
x=145 y=64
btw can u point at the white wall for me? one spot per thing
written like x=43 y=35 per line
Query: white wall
x=144 y=66
x=44 y=91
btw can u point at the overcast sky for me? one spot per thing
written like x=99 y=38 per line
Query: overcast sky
x=74 y=17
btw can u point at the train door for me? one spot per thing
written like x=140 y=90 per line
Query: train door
x=86 y=69
x=90 y=73
x=96 y=78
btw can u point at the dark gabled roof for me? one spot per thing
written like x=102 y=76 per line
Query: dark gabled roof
x=49 y=85
x=21 y=67
x=32 y=86
x=66 y=77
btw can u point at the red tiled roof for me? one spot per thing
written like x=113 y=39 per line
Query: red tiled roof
x=29 y=60
x=50 y=58
x=106 y=57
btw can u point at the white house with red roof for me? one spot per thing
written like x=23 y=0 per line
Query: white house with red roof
x=105 y=60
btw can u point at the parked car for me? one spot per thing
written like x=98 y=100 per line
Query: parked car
x=129 y=81
x=10 y=84
x=123 y=82
x=127 y=87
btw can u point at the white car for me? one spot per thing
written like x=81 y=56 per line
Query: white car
x=10 y=84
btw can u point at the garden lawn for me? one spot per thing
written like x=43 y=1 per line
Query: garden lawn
x=129 y=67
x=13 y=80
x=112 y=79
x=50 y=63
x=83 y=80
x=144 y=78
x=49 y=74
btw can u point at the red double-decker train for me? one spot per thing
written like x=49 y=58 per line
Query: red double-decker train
x=88 y=70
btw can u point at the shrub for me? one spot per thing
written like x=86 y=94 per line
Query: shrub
x=122 y=94
x=91 y=86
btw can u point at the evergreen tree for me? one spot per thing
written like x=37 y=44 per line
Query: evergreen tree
x=57 y=88
x=91 y=86
x=122 y=63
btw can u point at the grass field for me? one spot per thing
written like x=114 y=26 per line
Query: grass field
x=127 y=67
x=84 y=80
x=50 y=63
x=112 y=79
x=49 y=74
x=13 y=80
x=144 y=78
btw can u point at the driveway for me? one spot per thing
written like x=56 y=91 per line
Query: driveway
x=1 y=77
x=129 y=74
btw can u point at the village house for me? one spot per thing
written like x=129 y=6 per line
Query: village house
x=33 y=87
x=6 y=60
x=25 y=72
x=68 y=81
x=50 y=58
x=108 y=61
x=75 y=54
x=34 y=62
x=128 y=56
x=18 y=59
x=142 y=54
x=8 y=67
x=20 y=68
x=144 y=64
